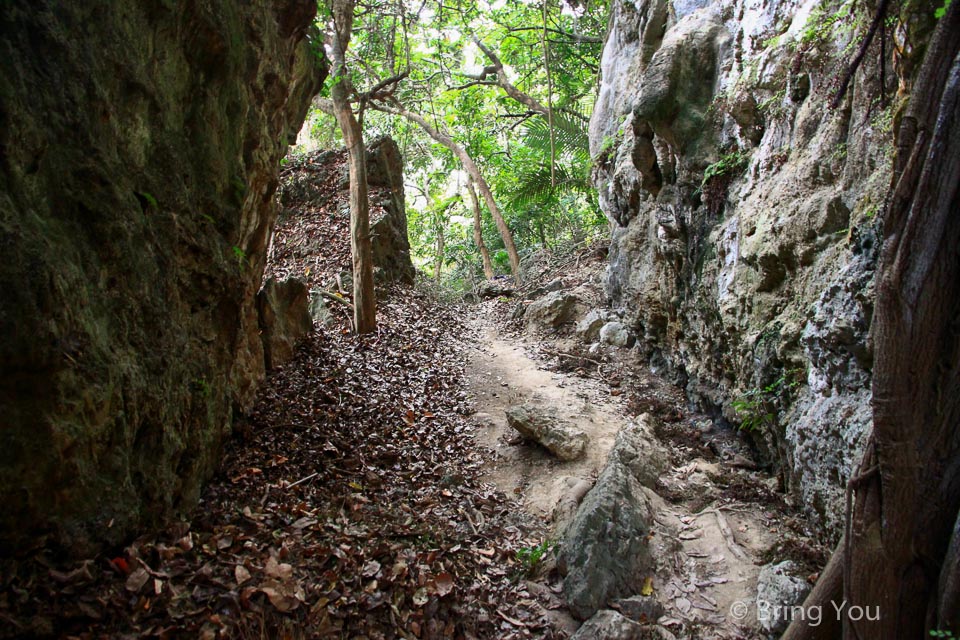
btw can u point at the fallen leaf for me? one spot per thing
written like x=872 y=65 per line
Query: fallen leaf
x=647 y=587
x=136 y=580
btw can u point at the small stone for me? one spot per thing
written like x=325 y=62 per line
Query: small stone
x=778 y=592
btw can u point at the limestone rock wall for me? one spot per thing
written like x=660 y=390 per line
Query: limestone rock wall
x=746 y=213
x=139 y=148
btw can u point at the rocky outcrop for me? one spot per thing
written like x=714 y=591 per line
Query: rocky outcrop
x=315 y=195
x=606 y=552
x=553 y=310
x=779 y=594
x=139 y=146
x=560 y=437
x=745 y=217
x=610 y=625
x=285 y=318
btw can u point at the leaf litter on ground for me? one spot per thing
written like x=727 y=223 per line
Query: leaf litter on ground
x=349 y=505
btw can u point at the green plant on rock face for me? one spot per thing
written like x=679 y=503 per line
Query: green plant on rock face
x=939 y=13
x=941 y=633
x=201 y=387
x=717 y=178
x=757 y=407
x=530 y=557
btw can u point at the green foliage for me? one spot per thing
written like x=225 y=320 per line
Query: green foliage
x=149 y=198
x=200 y=387
x=433 y=43
x=728 y=164
x=531 y=557
x=240 y=255
x=756 y=408
x=939 y=13
x=941 y=633
x=717 y=178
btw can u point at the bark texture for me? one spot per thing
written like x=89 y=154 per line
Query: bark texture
x=907 y=505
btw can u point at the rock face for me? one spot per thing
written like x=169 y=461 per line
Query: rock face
x=560 y=437
x=610 y=625
x=285 y=318
x=605 y=553
x=746 y=217
x=140 y=143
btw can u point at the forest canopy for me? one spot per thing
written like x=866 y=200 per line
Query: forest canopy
x=507 y=85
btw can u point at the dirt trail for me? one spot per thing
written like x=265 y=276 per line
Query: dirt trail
x=721 y=542
x=501 y=374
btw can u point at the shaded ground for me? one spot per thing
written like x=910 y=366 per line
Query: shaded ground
x=361 y=500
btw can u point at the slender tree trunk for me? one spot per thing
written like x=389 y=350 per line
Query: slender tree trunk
x=364 y=297
x=903 y=569
x=441 y=247
x=471 y=168
x=478 y=230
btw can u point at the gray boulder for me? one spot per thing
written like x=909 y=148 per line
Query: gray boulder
x=319 y=311
x=553 y=285
x=610 y=625
x=560 y=437
x=777 y=593
x=552 y=310
x=605 y=553
x=643 y=609
x=588 y=329
x=616 y=334
x=494 y=288
x=637 y=448
x=283 y=308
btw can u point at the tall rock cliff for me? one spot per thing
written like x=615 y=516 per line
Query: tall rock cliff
x=745 y=211
x=139 y=148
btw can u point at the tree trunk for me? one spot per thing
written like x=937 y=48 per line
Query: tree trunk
x=471 y=168
x=904 y=516
x=902 y=576
x=438 y=263
x=364 y=297
x=478 y=230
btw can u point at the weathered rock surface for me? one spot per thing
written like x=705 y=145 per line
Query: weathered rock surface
x=778 y=592
x=494 y=288
x=588 y=329
x=553 y=310
x=140 y=143
x=610 y=625
x=284 y=310
x=763 y=272
x=638 y=449
x=616 y=334
x=605 y=553
x=560 y=437
x=643 y=609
